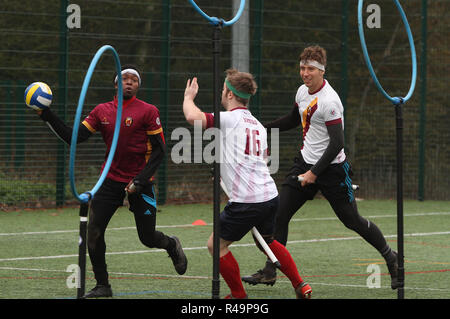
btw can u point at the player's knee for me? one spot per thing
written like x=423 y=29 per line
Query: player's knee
x=267 y=238
x=356 y=224
x=210 y=245
x=349 y=224
x=95 y=234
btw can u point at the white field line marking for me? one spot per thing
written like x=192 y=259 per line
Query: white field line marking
x=373 y=216
x=209 y=278
x=234 y=245
x=110 y=272
x=76 y=230
x=210 y=224
x=364 y=286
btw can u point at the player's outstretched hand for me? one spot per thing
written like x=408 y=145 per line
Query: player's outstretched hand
x=191 y=89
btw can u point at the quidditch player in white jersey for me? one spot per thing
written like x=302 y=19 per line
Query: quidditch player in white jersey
x=321 y=163
x=253 y=193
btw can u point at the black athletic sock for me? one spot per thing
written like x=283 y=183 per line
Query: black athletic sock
x=101 y=275
x=388 y=254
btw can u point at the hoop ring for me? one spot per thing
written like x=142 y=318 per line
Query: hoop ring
x=394 y=100
x=216 y=21
x=85 y=197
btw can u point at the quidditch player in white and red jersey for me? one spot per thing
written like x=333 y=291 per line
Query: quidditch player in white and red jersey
x=253 y=193
x=243 y=169
x=321 y=163
x=140 y=150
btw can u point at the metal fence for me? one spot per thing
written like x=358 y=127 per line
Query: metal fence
x=55 y=41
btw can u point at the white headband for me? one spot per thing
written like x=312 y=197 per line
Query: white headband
x=314 y=63
x=132 y=71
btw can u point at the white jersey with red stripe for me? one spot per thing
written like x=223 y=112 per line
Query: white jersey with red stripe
x=243 y=146
x=318 y=110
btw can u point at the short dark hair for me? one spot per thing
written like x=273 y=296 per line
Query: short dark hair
x=128 y=66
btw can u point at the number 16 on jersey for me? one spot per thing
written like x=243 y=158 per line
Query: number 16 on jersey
x=252 y=143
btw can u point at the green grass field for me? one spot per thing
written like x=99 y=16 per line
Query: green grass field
x=37 y=246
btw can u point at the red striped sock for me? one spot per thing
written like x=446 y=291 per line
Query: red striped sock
x=288 y=266
x=229 y=269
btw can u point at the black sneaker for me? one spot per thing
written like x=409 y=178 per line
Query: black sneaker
x=393 y=271
x=99 y=291
x=178 y=257
x=261 y=277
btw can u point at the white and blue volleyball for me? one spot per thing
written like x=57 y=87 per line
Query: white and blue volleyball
x=38 y=96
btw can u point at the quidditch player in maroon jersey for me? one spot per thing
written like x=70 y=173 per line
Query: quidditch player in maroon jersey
x=140 y=150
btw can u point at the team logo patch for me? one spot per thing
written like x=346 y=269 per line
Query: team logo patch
x=128 y=121
x=105 y=121
x=158 y=121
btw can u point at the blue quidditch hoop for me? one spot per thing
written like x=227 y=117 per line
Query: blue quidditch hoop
x=394 y=100
x=217 y=21
x=85 y=197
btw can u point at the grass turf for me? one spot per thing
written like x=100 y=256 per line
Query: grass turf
x=37 y=246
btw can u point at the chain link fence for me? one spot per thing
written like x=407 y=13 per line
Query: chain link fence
x=54 y=42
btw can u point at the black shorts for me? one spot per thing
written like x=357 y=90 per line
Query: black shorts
x=334 y=182
x=112 y=193
x=237 y=219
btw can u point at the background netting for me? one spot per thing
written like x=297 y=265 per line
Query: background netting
x=170 y=42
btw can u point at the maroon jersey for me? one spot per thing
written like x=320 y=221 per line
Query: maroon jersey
x=139 y=119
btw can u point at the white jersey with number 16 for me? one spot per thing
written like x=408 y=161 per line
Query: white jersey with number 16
x=242 y=166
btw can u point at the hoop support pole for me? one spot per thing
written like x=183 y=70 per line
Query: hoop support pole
x=216 y=189
x=84 y=209
x=400 y=227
